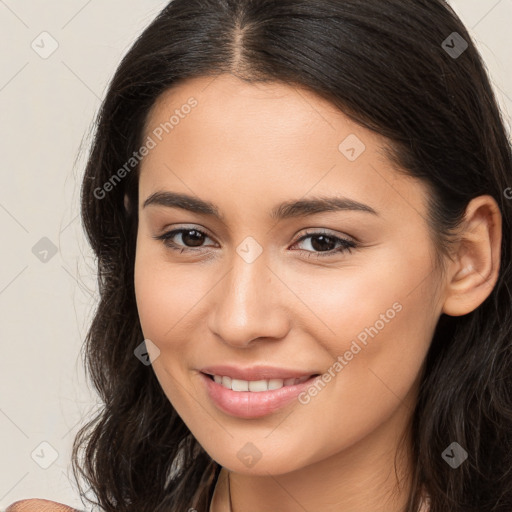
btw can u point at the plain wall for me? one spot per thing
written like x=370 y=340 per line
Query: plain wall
x=47 y=107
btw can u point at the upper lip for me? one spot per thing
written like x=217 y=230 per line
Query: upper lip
x=255 y=372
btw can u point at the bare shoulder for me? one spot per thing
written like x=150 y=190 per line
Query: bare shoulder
x=37 y=505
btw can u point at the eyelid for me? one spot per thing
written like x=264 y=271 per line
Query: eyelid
x=169 y=233
x=327 y=232
x=168 y=229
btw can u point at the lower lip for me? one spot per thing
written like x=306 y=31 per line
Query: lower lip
x=253 y=404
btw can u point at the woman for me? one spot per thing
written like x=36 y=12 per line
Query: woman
x=302 y=225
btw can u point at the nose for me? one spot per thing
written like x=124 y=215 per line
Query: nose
x=249 y=303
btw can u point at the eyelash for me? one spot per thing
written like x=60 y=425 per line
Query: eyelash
x=346 y=245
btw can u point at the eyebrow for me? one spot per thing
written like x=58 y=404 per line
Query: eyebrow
x=286 y=210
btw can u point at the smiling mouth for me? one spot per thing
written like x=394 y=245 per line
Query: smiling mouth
x=257 y=385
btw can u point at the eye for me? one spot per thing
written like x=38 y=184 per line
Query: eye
x=191 y=236
x=323 y=242
x=326 y=244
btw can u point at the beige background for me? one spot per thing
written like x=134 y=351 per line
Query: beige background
x=47 y=107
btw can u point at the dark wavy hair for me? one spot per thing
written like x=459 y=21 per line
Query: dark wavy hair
x=385 y=64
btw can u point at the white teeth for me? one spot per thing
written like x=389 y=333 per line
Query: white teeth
x=275 y=384
x=257 y=385
x=239 y=385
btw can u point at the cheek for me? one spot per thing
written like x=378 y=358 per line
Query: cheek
x=379 y=318
x=380 y=327
x=165 y=293
x=164 y=296
x=348 y=300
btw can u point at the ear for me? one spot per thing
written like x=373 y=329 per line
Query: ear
x=474 y=271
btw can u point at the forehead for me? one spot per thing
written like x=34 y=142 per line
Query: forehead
x=259 y=109
x=268 y=139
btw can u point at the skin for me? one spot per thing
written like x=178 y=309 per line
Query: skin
x=246 y=148
x=38 y=505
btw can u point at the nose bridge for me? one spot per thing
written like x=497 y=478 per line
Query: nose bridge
x=246 y=303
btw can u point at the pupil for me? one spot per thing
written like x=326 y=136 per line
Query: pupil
x=196 y=240
x=321 y=246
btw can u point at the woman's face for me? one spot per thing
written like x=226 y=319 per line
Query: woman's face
x=263 y=283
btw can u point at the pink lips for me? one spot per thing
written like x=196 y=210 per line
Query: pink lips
x=249 y=404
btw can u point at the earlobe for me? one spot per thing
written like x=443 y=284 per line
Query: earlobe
x=474 y=271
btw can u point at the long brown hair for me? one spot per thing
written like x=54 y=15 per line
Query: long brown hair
x=387 y=65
